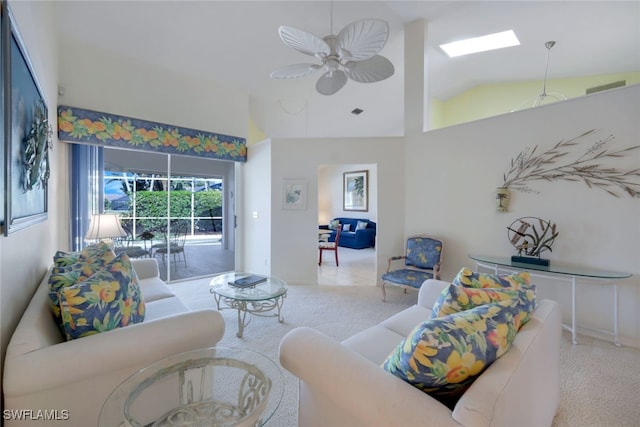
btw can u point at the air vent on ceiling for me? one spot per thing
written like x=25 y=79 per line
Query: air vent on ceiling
x=606 y=87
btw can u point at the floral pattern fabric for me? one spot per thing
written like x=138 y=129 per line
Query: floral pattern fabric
x=472 y=279
x=443 y=356
x=80 y=125
x=407 y=277
x=423 y=252
x=87 y=262
x=454 y=299
x=109 y=299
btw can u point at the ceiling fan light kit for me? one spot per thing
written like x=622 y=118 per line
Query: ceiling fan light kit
x=352 y=54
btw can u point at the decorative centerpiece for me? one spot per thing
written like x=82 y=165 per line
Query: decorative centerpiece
x=531 y=236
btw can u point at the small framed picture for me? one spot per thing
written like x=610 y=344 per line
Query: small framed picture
x=294 y=194
x=356 y=191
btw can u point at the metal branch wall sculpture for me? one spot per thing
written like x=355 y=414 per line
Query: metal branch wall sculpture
x=554 y=164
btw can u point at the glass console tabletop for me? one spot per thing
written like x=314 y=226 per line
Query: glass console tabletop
x=554 y=267
x=212 y=387
x=569 y=273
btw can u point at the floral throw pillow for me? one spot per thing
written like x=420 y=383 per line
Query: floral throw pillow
x=443 y=356
x=66 y=259
x=334 y=224
x=454 y=299
x=88 y=261
x=109 y=299
x=472 y=279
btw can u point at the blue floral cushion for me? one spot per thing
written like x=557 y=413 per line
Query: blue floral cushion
x=87 y=263
x=444 y=355
x=423 y=252
x=407 y=277
x=472 y=279
x=109 y=299
x=454 y=299
x=65 y=259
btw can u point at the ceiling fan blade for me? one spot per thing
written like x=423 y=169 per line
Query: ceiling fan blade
x=304 y=42
x=362 y=39
x=331 y=82
x=294 y=71
x=370 y=70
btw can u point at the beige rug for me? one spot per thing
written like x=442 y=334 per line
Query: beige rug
x=600 y=383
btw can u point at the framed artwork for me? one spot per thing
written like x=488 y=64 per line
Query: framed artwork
x=294 y=194
x=3 y=23
x=355 y=194
x=27 y=135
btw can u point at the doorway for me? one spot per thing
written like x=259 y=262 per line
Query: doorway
x=357 y=266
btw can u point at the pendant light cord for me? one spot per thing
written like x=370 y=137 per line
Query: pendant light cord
x=548 y=45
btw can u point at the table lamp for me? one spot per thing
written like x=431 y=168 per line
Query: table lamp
x=104 y=227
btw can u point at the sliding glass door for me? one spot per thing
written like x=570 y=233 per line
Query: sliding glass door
x=172 y=208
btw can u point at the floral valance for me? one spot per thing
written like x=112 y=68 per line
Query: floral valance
x=86 y=126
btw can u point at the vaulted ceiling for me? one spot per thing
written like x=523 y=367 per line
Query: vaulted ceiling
x=236 y=43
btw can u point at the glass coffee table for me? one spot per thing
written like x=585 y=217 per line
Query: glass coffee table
x=260 y=299
x=213 y=387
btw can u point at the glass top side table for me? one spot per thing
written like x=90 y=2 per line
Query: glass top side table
x=258 y=300
x=213 y=387
x=562 y=271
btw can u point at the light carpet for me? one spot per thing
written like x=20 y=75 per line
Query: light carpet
x=600 y=383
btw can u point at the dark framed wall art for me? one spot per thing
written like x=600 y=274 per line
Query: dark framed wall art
x=27 y=134
x=3 y=146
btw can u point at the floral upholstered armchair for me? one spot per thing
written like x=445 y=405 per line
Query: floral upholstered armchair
x=422 y=261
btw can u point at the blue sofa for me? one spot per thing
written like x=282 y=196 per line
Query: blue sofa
x=354 y=239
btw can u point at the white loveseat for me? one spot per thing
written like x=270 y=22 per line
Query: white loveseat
x=342 y=384
x=44 y=372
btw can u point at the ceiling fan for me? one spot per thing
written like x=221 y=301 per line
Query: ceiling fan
x=352 y=54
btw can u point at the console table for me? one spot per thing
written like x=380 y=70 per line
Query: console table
x=561 y=271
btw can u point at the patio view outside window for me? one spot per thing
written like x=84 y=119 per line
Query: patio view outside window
x=141 y=201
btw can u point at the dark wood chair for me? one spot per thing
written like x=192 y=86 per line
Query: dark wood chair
x=329 y=246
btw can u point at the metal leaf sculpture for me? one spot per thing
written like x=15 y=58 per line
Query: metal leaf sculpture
x=528 y=240
x=548 y=166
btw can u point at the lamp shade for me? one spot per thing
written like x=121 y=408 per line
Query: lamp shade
x=104 y=226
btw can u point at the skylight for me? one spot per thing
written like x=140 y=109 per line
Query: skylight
x=481 y=44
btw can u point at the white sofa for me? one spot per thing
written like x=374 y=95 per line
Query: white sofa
x=42 y=371
x=342 y=384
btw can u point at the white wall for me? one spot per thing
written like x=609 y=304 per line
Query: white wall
x=451 y=179
x=294 y=243
x=330 y=192
x=255 y=215
x=101 y=80
x=26 y=254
